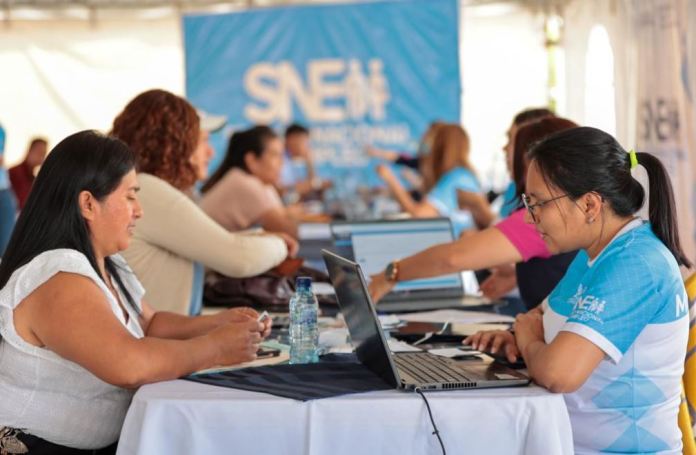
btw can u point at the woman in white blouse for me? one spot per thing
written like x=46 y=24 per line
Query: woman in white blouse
x=75 y=335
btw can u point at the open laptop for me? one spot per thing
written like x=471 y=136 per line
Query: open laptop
x=406 y=370
x=373 y=244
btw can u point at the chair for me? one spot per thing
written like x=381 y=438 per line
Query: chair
x=687 y=408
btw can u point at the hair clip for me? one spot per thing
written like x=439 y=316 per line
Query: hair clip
x=633 y=157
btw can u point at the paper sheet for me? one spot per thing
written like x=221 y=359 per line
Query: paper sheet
x=457 y=317
x=400 y=346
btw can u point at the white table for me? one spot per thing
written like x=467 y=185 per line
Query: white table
x=182 y=417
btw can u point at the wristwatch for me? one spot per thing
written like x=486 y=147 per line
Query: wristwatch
x=391 y=272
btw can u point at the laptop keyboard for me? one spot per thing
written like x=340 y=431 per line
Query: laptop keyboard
x=428 y=368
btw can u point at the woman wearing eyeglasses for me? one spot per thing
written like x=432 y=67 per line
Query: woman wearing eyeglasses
x=510 y=241
x=612 y=335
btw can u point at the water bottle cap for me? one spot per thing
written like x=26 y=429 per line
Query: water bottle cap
x=303 y=282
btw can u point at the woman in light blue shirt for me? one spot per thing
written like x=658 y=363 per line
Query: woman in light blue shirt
x=612 y=335
x=445 y=170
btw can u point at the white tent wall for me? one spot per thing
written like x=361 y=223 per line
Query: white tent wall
x=629 y=41
x=504 y=70
x=62 y=76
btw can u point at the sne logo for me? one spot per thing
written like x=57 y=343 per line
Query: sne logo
x=335 y=91
x=587 y=307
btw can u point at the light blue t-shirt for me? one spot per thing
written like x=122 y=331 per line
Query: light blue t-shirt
x=631 y=303
x=510 y=203
x=293 y=171
x=443 y=197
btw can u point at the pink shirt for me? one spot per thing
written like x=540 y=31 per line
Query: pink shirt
x=523 y=236
x=239 y=199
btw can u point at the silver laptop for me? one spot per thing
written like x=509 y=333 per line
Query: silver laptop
x=373 y=244
x=408 y=370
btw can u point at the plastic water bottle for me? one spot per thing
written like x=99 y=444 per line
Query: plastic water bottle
x=304 y=334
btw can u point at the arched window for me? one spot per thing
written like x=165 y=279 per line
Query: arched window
x=600 y=108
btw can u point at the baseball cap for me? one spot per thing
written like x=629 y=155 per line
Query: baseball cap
x=210 y=122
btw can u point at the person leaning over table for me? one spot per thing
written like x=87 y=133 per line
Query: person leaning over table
x=76 y=336
x=538 y=267
x=612 y=335
x=175 y=240
x=444 y=170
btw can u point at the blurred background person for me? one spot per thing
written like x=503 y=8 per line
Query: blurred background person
x=242 y=193
x=8 y=203
x=444 y=170
x=410 y=163
x=298 y=178
x=22 y=175
x=509 y=200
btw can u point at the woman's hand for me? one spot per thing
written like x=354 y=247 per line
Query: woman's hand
x=502 y=281
x=290 y=242
x=244 y=314
x=237 y=342
x=495 y=341
x=529 y=327
x=379 y=287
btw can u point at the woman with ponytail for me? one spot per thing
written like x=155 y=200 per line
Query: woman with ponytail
x=612 y=335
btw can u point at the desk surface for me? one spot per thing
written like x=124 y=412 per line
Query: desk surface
x=183 y=417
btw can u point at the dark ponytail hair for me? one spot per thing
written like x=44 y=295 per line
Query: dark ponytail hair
x=581 y=160
x=51 y=218
x=253 y=140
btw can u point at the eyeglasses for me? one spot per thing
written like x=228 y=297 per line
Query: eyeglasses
x=531 y=208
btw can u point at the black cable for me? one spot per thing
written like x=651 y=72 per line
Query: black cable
x=436 y=432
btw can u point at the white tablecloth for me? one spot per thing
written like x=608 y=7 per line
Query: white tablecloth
x=182 y=417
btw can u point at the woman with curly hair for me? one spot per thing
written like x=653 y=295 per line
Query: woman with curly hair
x=175 y=239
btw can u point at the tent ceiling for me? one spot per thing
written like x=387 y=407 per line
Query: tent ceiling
x=538 y=5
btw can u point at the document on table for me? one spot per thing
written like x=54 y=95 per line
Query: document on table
x=283 y=357
x=314 y=231
x=457 y=317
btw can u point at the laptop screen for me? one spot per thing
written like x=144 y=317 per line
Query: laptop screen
x=363 y=325
x=374 y=244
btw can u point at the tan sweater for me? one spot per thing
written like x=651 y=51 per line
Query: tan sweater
x=174 y=232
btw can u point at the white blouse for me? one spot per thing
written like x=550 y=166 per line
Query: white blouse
x=44 y=394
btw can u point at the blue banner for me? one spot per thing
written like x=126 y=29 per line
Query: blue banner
x=359 y=74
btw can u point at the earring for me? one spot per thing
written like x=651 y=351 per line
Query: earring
x=590 y=220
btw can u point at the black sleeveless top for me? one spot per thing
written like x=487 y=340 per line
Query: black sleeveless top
x=537 y=277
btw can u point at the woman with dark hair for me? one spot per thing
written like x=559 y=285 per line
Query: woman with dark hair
x=75 y=332
x=510 y=201
x=509 y=241
x=242 y=191
x=613 y=334
x=444 y=170
x=176 y=240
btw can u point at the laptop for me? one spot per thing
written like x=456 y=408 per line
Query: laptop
x=404 y=370
x=373 y=244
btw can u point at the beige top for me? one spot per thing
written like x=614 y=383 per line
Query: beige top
x=174 y=232
x=239 y=199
